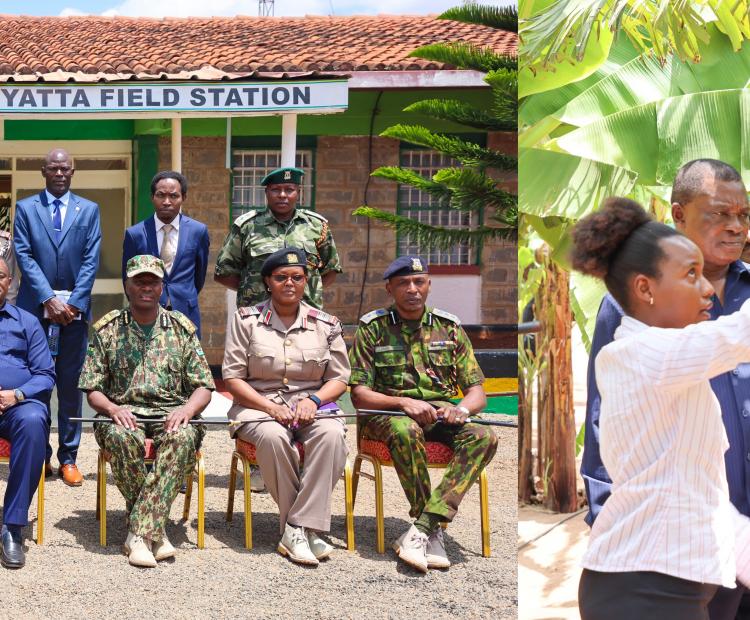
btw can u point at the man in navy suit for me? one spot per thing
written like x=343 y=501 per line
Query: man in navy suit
x=57 y=236
x=181 y=242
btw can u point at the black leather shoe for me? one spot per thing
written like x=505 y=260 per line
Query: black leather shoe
x=12 y=555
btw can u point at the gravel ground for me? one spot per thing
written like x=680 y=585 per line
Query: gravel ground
x=72 y=576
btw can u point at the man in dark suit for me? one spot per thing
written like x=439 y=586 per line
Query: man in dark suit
x=181 y=242
x=57 y=236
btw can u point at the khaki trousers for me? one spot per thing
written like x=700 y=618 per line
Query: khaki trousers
x=303 y=496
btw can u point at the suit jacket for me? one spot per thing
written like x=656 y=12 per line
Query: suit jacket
x=185 y=281
x=47 y=265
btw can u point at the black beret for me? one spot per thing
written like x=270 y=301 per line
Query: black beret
x=405 y=266
x=285 y=257
x=283 y=175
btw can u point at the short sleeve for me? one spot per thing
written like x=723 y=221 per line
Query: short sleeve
x=361 y=357
x=95 y=373
x=329 y=256
x=338 y=368
x=196 y=372
x=235 y=349
x=467 y=368
x=229 y=260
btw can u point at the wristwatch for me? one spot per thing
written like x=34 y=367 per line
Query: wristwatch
x=315 y=399
x=20 y=397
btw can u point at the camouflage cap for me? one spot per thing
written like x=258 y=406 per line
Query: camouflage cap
x=405 y=266
x=145 y=263
x=283 y=175
x=285 y=257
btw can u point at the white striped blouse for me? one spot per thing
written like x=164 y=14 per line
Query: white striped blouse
x=663 y=443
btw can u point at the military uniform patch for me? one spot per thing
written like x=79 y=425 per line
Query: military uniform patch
x=106 y=319
x=247 y=311
x=446 y=315
x=371 y=316
x=322 y=316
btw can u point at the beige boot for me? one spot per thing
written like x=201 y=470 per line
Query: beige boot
x=411 y=547
x=436 y=556
x=294 y=544
x=319 y=547
x=138 y=550
x=163 y=549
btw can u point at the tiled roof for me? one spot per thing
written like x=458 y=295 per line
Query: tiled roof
x=108 y=48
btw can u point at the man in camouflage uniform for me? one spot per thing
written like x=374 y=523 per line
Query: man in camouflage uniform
x=256 y=235
x=412 y=358
x=145 y=362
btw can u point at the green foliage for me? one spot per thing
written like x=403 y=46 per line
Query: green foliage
x=502 y=18
x=472 y=186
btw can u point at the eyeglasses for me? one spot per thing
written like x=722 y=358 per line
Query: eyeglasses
x=726 y=217
x=296 y=278
x=66 y=170
x=164 y=196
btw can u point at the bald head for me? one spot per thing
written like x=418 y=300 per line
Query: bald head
x=58 y=172
x=691 y=180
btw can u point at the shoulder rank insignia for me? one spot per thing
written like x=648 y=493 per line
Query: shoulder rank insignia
x=106 y=319
x=446 y=315
x=246 y=216
x=314 y=214
x=322 y=316
x=183 y=321
x=247 y=311
x=371 y=316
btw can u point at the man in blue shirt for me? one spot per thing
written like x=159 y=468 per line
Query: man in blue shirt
x=28 y=376
x=710 y=206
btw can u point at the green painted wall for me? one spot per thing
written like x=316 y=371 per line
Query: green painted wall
x=106 y=129
x=145 y=166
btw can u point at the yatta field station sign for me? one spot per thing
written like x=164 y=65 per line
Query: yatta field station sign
x=177 y=97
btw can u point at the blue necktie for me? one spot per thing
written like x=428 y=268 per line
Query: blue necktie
x=57 y=219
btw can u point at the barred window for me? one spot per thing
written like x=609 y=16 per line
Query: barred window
x=249 y=166
x=422 y=207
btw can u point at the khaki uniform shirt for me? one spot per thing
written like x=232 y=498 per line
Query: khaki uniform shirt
x=429 y=360
x=256 y=235
x=151 y=376
x=285 y=365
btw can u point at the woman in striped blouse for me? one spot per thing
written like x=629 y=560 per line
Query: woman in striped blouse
x=668 y=536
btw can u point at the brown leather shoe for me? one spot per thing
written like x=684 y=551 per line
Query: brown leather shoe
x=70 y=475
x=49 y=471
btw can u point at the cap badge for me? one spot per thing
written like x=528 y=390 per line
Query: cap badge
x=287 y=175
x=291 y=258
x=416 y=264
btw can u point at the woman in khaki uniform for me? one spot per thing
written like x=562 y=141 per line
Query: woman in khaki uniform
x=283 y=360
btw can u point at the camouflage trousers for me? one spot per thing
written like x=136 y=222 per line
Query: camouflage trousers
x=149 y=495
x=473 y=447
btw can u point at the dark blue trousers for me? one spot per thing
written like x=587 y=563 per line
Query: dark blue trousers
x=68 y=363
x=26 y=426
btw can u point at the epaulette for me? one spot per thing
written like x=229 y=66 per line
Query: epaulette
x=4 y=234
x=247 y=311
x=183 y=321
x=322 y=316
x=247 y=216
x=106 y=319
x=371 y=316
x=314 y=214
x=446 y=315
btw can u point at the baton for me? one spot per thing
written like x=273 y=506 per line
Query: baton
x=111 y=421
x=400 y=414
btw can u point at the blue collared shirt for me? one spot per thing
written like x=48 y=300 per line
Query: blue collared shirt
x=24 y=354
x=732 y=390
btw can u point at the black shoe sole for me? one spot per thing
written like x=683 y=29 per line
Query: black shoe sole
x=11 y=565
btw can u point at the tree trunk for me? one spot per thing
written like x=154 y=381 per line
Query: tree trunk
x=525 y=458
x=557 y=432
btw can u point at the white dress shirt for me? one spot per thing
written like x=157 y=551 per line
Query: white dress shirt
x=64 y=199
x=160 y=230
x=663 y=442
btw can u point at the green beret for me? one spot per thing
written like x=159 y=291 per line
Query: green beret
x=285 y=257
x=405 y=266
x=283 y=175
x=145 y=263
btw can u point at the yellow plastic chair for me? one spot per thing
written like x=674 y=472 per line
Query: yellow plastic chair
x=245 y=453
x=5 y=458
x=438 y=457
x=101 y=492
